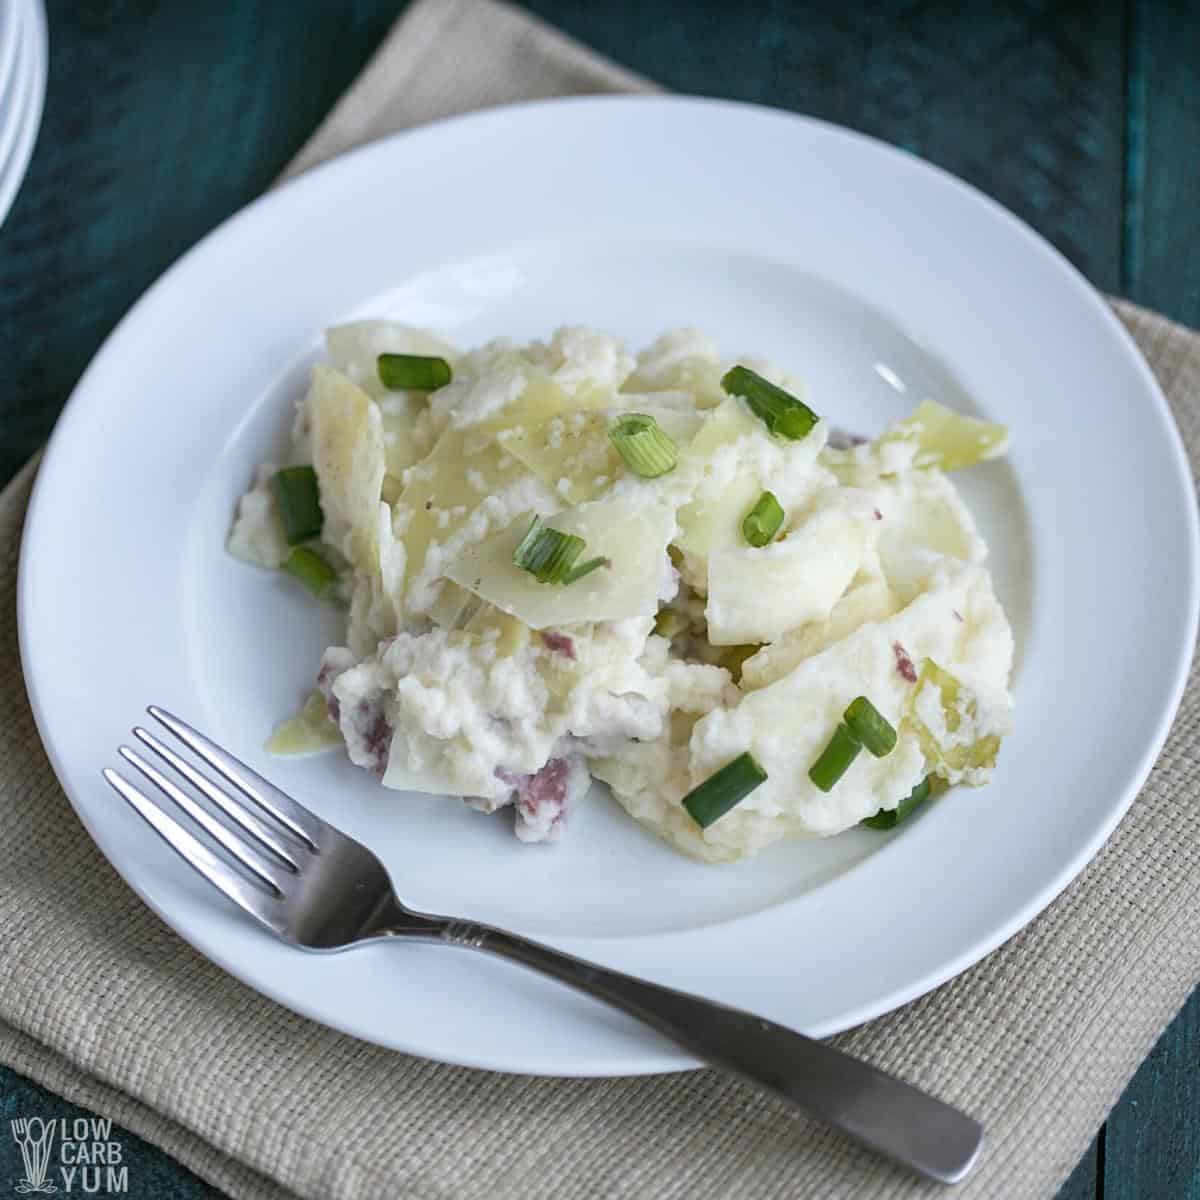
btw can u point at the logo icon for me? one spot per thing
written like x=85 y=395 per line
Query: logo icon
x=34 y=1137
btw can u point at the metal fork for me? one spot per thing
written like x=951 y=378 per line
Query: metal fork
x=318 y=889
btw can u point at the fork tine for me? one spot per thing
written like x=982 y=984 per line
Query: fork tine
x=230 y=806
x=226 y=880
x=228 y=840
x=250 y=783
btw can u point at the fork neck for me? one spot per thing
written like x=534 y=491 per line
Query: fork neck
x=392 y=919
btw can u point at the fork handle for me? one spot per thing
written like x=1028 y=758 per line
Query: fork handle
x=876 y=1109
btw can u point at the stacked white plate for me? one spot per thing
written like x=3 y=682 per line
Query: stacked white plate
x=22 y=90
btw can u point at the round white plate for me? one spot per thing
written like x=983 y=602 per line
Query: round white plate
x=15 y=84
x=22 y=97
x=10 y=38
x=876 y=277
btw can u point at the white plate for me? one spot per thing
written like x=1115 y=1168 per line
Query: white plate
x=22 y=101
x=850 y=263
x=10 y=38
x=15 y=85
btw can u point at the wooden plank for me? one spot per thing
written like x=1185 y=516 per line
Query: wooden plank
x=1161 y=267
x=161 y=119
x=1152 y=1143
x=1023 y=100
x=1152 y=1140
x=1082 y=1184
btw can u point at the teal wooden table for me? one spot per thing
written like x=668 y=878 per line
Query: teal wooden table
x=164 y=116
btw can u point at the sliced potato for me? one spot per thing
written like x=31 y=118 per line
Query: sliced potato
x=506 y=633
x=403 y=775
x=633 y=537
x=443 y=490
x=309 y=732
x=539 y=401
x=454 y=606
x=257 y=535
x=348 y=454
x=683 y=360
x=402 y=446
x=757 y=594
x=355 y=348
x=947 y=439
x=867 y=599
x=959 y=737
x=714 y=517
x=573 y=454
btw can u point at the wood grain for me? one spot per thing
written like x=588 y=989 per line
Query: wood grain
x=1084 y=1183
x=162 y=119
x=1025 y=100
x=1152 y=1138
x=1162 y=216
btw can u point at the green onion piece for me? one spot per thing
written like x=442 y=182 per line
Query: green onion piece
x=835 y=759
x=870 y=726
x=762 y=522
x=549 y=554
x=311 y=569
x=720 y=792
x=299 y=502
x=640 y=441
x=780 y=411
x=415 y=372
x=586 y=568
x=889 y=818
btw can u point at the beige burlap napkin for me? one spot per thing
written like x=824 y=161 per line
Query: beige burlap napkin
x=102 y=1003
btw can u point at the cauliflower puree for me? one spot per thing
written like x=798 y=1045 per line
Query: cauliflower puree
x=709 y=626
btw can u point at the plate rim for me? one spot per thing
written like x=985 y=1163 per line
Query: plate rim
x=27 y=121
x=18 y=86
x=649 y=1062
x=11 y=27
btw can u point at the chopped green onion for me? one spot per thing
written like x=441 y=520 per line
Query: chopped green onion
x=870 y=726
x=762 y=522
x=720 y=792
x=835 y=759
x=587 y=568
x=415 y=372
x=780 y=411
x=647 y=451
x=299 y=502
x=311 y=569
x=889 y=818
x=549 y=554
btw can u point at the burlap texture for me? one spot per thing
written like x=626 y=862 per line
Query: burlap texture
x=102 y=1003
